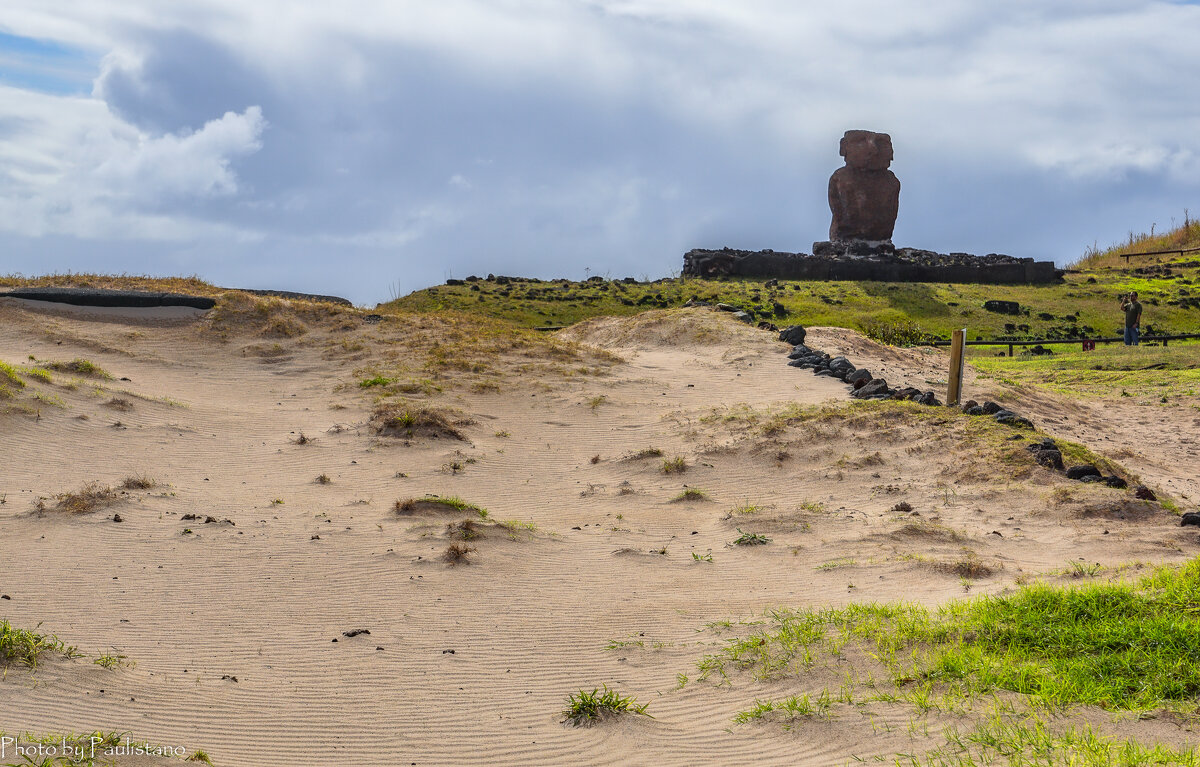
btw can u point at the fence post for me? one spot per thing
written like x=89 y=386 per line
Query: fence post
x=957 y=348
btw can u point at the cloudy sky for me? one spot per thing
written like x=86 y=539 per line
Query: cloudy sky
x=372 y=147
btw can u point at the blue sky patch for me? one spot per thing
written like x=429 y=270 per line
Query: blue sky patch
x=46 y=66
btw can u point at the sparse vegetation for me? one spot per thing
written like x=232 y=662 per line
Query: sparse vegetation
x=457 y=554
x=437 y=503
x=111 y=660
x=138 y=482
x=1124 y=646
x=323 y=479
x=27 y=647
x=80 y=367
x=587 y=708
x=676 y=465
x=408 y=420
x=90 y=497
x=649 y=452
x=463 y=530
x=690 y=494
x=304 y=439
x=750 y=539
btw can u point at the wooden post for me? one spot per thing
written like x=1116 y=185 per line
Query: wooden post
x=958 y=344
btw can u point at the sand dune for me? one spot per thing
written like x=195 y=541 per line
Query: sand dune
x=591 y=582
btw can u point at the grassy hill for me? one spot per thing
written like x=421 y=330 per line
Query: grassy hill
x=1182 y=237
x=1085 y=304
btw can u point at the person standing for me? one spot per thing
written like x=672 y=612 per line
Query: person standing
x=1133 y=318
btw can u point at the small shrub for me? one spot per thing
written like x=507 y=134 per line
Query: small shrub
x=674 y=465
x=367 y=383
x=750 y=539
x=650 y=452
x=902 y=506
x=304 y=439
x=323 y=479
x=80 y=366
x=903 y=332
x=586 y=708
x=464 y=530
x=26 y=647
x=119 y=403
x=89 y=498
x=138 y=482
x=457 y=553
x=691 y=494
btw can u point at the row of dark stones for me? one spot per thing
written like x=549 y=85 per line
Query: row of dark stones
x=867 y=387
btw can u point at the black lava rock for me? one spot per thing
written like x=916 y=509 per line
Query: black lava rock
x=793 y=335
x=1079 y=472
x=874 y=387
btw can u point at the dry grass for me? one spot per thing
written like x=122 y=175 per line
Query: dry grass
x=966 y=567
x=138 y=482
x=399 y=419
x=433 y=504
x=79 y=366
x=90 y=497
x=927 y=529
x=120 y=404
x=457 y=554
x=463 y=530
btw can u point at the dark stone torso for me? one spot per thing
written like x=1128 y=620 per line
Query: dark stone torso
x=864 y=204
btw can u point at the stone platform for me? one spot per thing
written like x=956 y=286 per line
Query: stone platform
x=902 y=265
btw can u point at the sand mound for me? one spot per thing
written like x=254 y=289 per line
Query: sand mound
x=585 y=571
x=673 y=328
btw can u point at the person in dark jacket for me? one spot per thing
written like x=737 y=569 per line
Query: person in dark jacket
x=1133 y=318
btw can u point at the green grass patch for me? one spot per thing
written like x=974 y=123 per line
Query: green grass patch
x=1032 y=743
x=439 y=503
x=367 y=383
x=1084 y=304
x=26 y=647
x=750 y=539
x=1120 y=646
x=9 y=375
x=1147 y=372
x=81 y=367
x=674 y=465
x=587 y=708
x=790 y=708
x=690 y=494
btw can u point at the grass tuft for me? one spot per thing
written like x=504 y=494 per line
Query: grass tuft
x=1126 y=646
x=80 y=366
x=27 y=647
x=587 y=708
x=674 y=465
x=750 y=539
x=457 y=553
x=691 y=494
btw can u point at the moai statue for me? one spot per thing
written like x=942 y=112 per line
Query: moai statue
x=864 y=196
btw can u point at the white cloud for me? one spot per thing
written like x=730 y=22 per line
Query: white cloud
x=72 y=167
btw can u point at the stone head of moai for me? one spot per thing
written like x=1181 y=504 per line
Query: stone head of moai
x=865 y=150
x=864 y=196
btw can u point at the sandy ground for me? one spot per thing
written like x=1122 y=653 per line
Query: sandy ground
x=231 y=625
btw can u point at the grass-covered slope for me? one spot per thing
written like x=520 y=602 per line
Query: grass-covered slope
x=1183 y=237
x=1085 y=304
